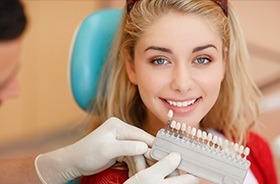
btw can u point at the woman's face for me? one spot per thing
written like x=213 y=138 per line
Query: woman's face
x=9 y=65
x=178 y=65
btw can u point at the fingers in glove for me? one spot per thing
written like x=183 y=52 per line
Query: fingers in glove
x=135 y=164
x=130 y=165
x=167 y=165
x=140 y=162
x=129 y=132
x=127 y=148
x=174 y=173
x=149 y=160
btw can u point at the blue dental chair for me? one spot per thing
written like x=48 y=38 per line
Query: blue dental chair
x=90 y=47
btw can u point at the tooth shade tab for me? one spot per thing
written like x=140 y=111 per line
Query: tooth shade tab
x=183 y=127
x=199 y=134
x=178 y=126
x=170 y=114
x=189 y=129
x=246 y=152
x=204 y=135
x=193 y=131
x=209 y=137
x=214 y=140
x=173 y=124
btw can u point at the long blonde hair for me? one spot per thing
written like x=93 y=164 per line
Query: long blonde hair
x=237 y=101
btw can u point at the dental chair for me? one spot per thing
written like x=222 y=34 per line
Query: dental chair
x=90 y=46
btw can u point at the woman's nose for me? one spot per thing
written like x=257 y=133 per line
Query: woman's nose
x=182 y=79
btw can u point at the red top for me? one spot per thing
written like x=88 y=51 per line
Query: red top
x=262 y=166
x=262 y=163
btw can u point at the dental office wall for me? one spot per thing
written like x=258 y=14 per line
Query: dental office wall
x=46 y=104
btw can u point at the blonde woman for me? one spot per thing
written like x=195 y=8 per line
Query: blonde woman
x=66 y=163
x=188 y=56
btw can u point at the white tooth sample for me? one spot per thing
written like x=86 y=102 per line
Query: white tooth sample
x=173 y=124
x=209 y=138
x=226 y=146
x=183 y=127
x=189 y=129
x=199 y=134
x=240 y=150
x=246 y=152
x=231 y=144
x=178 y=126
x=220 y=142
x=170 y=114
x=185 y=104
x=193 y=131
x=235 y=148
x=214 y=140
x=204 y=136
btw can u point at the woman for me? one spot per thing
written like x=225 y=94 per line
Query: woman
x=188 y=56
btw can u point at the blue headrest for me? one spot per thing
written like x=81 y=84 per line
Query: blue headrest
x=90 y=48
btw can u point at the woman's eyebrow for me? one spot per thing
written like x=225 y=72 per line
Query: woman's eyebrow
x=159 y=49
x=196 y=49
x=199 y=48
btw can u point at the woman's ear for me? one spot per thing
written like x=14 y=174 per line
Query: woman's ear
x=130 y=69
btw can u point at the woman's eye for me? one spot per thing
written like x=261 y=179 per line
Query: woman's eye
x=160 y=61
x=202 y=60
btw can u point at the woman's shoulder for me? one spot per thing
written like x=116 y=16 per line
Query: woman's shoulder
x=261 y=158
x=110 y=175
x=257 y=140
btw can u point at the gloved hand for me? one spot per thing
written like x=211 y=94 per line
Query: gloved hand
x=94 y=153
x=157 y=173
x=140 y=162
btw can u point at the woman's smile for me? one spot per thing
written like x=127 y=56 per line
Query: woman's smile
x=183 y=107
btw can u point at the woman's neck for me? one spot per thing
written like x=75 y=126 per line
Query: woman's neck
x=152 y=125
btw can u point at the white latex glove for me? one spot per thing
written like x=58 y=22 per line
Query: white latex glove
x=94 y=153
x=138 y=163
x=157 y=173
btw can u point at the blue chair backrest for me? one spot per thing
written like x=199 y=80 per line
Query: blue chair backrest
x=90 y=46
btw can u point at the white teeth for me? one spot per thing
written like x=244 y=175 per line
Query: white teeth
x=181 y=104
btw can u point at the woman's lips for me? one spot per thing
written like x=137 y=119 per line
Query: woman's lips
x=182 y=107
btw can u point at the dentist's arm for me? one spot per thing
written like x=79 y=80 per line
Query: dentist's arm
x=20 y=170
x=94 y=153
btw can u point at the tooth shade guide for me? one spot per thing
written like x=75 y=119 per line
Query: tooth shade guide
x=213 y=164
x=203 y=139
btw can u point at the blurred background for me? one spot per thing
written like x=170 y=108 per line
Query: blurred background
x=46 y=106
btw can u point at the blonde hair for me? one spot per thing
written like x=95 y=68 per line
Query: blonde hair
x=237 y=100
